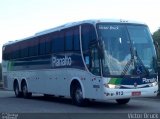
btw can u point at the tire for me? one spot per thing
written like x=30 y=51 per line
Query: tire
x=25 y=92
x=77 y=96
x=123 y=101
x=16 y=90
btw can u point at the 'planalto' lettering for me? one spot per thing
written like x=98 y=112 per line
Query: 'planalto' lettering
x=59 y=62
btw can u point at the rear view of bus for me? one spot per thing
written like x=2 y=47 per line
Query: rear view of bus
x=129 y=63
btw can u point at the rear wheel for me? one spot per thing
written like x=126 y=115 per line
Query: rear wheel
x=16 y=90
x=25 y=92
x=123 y=101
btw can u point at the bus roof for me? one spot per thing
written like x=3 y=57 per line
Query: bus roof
x=93 y=21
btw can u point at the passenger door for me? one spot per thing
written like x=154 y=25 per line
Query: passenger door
x=94 y=60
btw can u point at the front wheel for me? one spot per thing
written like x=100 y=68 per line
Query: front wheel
x=123 y=101
x=77 y=96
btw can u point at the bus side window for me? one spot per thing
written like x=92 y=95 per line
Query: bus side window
x=48 y=45
x=88 y=35
x=69 y=40
x=76 y=41
x=24 y=49
x=58 y=42
x=32 y=47
x=85 y=37
x=41 y=46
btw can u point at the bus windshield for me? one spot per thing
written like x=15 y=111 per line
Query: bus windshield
x=128 y=49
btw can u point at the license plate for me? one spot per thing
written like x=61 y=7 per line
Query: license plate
x=138 y=93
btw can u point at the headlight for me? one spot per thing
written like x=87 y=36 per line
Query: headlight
x=112 y=86
x=154 y=84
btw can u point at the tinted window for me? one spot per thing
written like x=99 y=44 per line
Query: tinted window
x=58 y=42
x=69 y=40
x=24 y=52
x=48 y=45
x=41 y=45
x=88 y=35
x=7 y=55
x=24 y=49
x=76 y=39
x=33 y=47
x=15 y=51
x=4 y=55
x=54 y=37
x=11 y=51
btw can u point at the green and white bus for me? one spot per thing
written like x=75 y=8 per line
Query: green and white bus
x=87 y=60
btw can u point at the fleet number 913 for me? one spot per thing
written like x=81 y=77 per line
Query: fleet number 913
x=119 y=93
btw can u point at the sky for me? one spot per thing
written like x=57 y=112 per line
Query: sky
x=23 y=18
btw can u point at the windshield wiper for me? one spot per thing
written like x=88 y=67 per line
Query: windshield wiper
x=135 y=61
x=128 y=64
x=141 y=63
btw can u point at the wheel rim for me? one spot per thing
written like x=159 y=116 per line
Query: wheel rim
x=25 y=90
x=78 y=95
x=16 y=90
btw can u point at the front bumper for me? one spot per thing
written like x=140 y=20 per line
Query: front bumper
x=130 y=93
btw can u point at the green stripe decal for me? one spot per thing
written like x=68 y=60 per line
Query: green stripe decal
x=116 y=81
x=10 y=66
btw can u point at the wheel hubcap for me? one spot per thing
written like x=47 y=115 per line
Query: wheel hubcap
x=24 y=90
x=79 y=95
x=16 y=90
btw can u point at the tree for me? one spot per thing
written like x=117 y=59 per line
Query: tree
x=156 y=38
x=0 y=72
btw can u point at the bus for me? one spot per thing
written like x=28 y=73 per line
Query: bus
x=91 y=60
